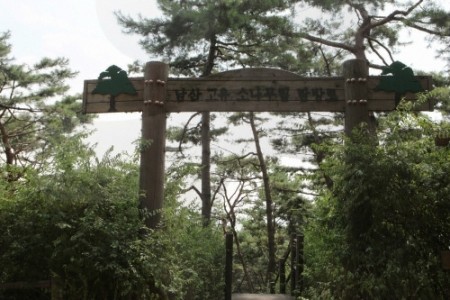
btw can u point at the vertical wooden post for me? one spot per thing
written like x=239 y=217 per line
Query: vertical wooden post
x=228 y=265
x=282 y=270
x=151 y=181
x=356 y=72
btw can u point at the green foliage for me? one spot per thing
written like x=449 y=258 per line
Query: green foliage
x=442 y=97
x=292 y=205
x=35 y=111
x=379 y=232
x=233 y=33
x=191 y=133
x=79 y=224
x=436 y=17
x=200 y=255
x=198 y=251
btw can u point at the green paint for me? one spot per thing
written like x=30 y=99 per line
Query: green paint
x=114 y=81
x=400 y=82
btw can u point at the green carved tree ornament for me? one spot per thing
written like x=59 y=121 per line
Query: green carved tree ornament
x=401 y=81
x=114 y=81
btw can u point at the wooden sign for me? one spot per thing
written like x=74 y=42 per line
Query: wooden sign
x=257 y=90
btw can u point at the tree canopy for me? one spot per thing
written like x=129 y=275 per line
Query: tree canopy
x=36 y=112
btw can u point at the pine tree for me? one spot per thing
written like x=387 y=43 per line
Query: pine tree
x=35 y=110
x=199 y=38
x=374 y=27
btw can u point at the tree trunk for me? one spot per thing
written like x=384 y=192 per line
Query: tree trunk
x=206 y=169
x=206 y=143
x=10 y=156
x=271 y=267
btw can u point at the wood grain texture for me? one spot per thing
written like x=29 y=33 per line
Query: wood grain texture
x=257 y=90
x=356 y=94
x=153 y=141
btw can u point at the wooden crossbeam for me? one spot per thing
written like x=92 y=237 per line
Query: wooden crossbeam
x=257 y=90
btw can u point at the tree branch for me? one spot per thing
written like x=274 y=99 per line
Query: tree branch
x=328 y=43
x=192 y=187
x=183 y=134
x=216 y=191
x=28 y=109
x=370 y=40
x=420 y=28
x=392 y=16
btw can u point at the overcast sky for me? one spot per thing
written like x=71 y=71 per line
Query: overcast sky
x=86 y=32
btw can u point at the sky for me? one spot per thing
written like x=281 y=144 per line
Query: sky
x=86 y=32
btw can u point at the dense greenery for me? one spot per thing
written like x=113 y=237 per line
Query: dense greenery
x=81 y=227
x=373 y=209
x=379 y=232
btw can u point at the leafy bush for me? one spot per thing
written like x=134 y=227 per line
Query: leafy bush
x=379 y=232
x=79 y=225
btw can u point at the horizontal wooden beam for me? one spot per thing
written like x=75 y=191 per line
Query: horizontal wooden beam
x=255 y=90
